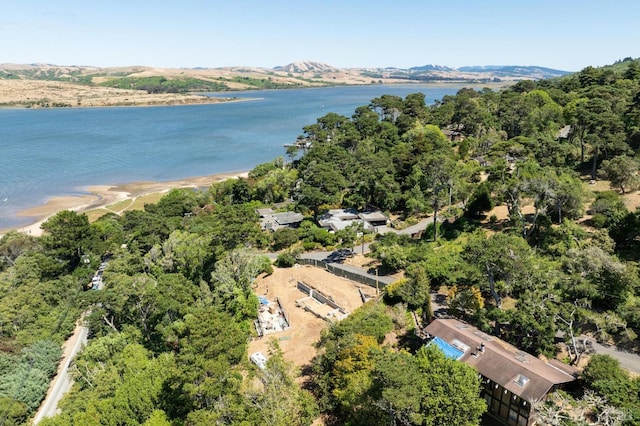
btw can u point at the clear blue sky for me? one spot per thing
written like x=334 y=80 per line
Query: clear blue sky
x=561 y=34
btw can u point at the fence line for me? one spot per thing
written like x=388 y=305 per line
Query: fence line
x=337 y=270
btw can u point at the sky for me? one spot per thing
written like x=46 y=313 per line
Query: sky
x=561 y=34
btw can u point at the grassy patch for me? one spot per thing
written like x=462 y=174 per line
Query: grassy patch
x=94 y=215
x=120 y=205
x=139 y=202
x=509 y=303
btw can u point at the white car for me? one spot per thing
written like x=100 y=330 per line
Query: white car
x=258 y=359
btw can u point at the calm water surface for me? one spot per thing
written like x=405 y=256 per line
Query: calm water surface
x=51 y=152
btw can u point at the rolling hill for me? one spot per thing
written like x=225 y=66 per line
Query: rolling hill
x=46 y=85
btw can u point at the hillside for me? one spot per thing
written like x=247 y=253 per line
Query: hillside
x=47 y=85
x=530 y=246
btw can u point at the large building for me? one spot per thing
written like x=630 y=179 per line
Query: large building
x=512 y=379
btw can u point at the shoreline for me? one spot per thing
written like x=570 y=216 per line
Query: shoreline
x=101 y=196
x=143 y=100
x=211 y=100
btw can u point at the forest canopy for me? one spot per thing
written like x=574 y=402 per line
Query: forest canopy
x=169 y=332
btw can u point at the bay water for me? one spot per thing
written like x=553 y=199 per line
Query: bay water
x=59 y=152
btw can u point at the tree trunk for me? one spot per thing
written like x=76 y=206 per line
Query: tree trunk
x=595 y=164
x=492 y=287
x=435 y=225
x=559 y=212
x=582 y=146
x=110 y=323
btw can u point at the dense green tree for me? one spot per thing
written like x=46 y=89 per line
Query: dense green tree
x=397 y=388
x=263 y=169
x=434 y=177
x=625 y=232
x=276 y=185
x=284 y=238
x=599 y=277
x=472 y=113
x=232 y=281
x=622 y=172
x=186 y=253
x=108 y=234
x=502 y=261
x=568 y=198
x=210 y=342
x=230 y=227
x=144 y=229
x=66 y=238
x=12 y=245
x=321 y=184
x=387 y=106
x=480 y=201
x=414 y=290
x=607 y=209
x=14 y=413
x=240 y=191
x=450 y=392
x=604 y=375
x=366 y=121
x=175 y=204
x=281 y=402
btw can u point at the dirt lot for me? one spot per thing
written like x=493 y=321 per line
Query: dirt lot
x=297 y=342
x=631 y=200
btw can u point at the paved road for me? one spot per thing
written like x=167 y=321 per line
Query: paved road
x=62 y=381
x=327 y=257
x=420 y=226
x=628 y=360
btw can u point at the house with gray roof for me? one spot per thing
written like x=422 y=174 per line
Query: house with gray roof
x=273 y=221
x=511 y=379
x=338 y=219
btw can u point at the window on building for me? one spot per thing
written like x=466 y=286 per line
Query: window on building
x=521 y=380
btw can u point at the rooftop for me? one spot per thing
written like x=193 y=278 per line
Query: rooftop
x=275 y=221
x=287 y=218
x=519 y=372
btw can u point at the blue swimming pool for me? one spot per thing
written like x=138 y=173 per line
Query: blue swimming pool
x=448 y=350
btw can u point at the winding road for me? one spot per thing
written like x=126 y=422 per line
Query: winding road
x=62 y=382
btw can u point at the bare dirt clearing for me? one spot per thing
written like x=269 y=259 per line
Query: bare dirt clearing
x=37 y=93
x=631 y=201
x=297 y=341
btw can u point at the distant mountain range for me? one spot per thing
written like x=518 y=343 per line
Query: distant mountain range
x=507 y=71
x=434 y=72
x=46 y=84
x=309 y=72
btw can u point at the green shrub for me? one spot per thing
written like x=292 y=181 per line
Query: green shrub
x=308 y=245
x=599 y=220
x=284 y=238
x=285 y=260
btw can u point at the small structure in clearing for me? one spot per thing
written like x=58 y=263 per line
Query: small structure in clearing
x=271 y=317
x=320 y=305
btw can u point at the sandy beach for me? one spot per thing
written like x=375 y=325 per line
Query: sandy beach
x=102 y=196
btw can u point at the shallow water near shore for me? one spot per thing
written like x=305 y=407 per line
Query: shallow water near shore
x=60 y=152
